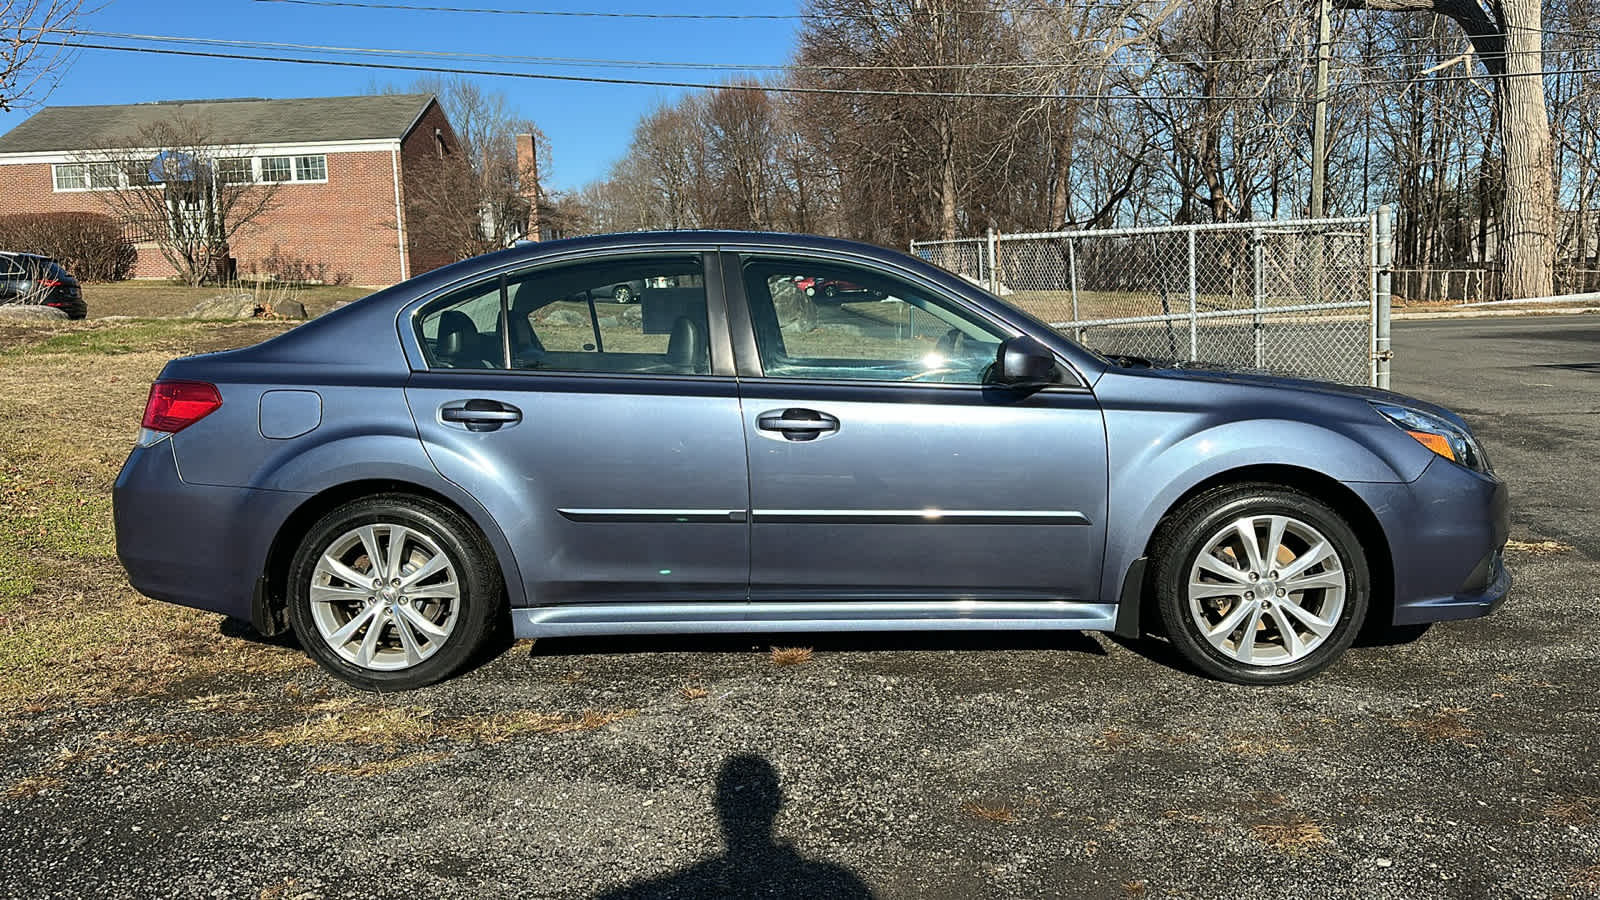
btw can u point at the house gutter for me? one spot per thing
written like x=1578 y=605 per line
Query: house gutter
x=399 y=211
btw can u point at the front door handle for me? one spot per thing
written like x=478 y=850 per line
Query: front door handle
x=480 y=415
x=797 y=424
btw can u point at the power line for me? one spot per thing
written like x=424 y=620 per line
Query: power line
x=767 y=88
x=595 y=79
x=605 y=14
x=585 y=62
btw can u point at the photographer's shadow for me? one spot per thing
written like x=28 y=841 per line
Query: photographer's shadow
x=755 y=864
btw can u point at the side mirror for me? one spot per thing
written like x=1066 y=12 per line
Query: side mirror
x=1024 y=363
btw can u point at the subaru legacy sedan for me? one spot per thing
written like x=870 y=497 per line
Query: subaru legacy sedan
x=488 y=446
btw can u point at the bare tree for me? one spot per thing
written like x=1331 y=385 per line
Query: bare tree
x=29 y=56
x=474 y=195
x=181 y=188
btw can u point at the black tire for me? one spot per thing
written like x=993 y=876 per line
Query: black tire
x=830 y=291
x=480 y=585
x=1193 y=526
x=622 y=294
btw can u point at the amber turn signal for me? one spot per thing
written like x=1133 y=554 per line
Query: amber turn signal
x=1438 y=443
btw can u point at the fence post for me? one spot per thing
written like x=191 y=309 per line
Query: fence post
x=1258 y=284
x=1072 y=280
x=1381 y=354
x=1194 y=306
x=994 y=277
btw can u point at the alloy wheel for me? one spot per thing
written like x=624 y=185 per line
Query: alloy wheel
x=384 y=596
x=1266 y=590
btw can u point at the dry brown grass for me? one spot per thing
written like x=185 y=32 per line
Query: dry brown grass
x=1577 y=811
x=1447 y=723
x=71 y=630
x=1257 y=745
x=1587 y=877
x=1538 y=548
x=989 y=812
x=162 y=298
x=1293 y=838
x=33 y=785
x=694 y=692
x=285 y=890
x=377 y=767
x=1115 y=739
x=790 y=656
x=345 y=722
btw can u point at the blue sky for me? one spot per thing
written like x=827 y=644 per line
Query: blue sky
x=588 y=124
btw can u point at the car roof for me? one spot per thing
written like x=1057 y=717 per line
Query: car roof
x=17 y=254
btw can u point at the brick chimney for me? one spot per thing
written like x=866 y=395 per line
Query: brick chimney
x=528 y=177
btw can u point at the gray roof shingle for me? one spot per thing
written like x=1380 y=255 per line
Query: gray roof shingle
x=243 y=121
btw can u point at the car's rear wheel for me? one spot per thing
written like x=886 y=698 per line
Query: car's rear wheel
x=393 y=592
x=622 y=294
x=1260 y=584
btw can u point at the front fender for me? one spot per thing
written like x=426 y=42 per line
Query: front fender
x=1153 y=468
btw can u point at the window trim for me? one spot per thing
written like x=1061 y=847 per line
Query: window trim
x=718 y=331
x=750 y=364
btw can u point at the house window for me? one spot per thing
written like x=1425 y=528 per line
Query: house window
x=310 y=168
x=294 y=168
x=105 y=175
x=276 y=168
x=234 y=170
x=71 y=177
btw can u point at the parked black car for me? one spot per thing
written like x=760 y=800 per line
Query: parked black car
x=30 y=278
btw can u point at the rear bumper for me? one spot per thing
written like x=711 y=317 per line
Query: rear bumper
x=193 y=545
x=1447 y=534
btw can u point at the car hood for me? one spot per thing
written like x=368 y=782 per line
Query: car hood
x=1205 y=372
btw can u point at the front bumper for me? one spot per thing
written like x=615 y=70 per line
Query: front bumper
x=193 y=545
x=1447 y=534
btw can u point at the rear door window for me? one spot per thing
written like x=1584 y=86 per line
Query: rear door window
x=635 y=315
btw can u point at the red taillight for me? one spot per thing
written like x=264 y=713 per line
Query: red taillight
x=175 y=405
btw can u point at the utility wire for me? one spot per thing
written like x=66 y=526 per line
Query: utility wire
x=602 y=14
x=766 y=88
x=584 y=62
x=594 y=79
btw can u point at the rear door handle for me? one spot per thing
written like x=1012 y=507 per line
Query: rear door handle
x=797 y=424
x=479 y=414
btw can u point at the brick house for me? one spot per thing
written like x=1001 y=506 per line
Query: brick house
x=342 y=165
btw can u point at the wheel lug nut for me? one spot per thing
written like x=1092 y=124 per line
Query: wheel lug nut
x=1272 y=574
x=395 y=583
x=1254 y=577
x=1282 y=592
x=403 y=600
x=1249 y=595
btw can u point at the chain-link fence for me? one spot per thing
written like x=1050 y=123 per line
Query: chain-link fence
x=1299 y=297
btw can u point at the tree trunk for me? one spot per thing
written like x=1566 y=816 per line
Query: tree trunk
x=1528 y=210
x=1508 y=44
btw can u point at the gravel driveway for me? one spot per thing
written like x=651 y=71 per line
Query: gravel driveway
x=1462 y=763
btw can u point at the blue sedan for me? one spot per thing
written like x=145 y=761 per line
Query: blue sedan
x=487 y=445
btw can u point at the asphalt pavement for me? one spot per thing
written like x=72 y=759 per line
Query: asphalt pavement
x=1462 y=763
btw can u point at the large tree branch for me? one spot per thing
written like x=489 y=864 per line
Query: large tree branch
x=1487 y=36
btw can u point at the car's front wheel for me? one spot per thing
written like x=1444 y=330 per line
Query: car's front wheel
x=393 y=592
x=1260 y=584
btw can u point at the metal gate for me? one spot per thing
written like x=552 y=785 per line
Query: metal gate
x=1307 y=297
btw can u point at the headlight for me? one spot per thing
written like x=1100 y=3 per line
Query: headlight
x=1442 y=437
